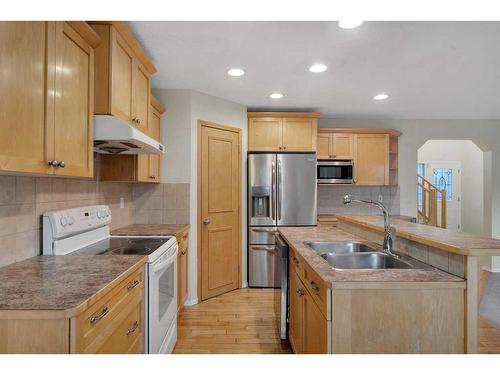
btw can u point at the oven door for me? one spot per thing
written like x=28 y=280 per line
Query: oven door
x=162 y=300
x=335 y=172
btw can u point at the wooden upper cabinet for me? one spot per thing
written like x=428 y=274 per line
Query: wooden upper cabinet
x=339 y=146
x=26 y=96
x=136 y=168
x=282 y=131
x=299 y=134
x=47 y=97
x=121 y=68
x=371 y=162
x=264 y=134
x=342 y=146
x=74 y=103
x=123 y=73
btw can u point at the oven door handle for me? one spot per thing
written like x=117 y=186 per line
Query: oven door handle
x=157 y=267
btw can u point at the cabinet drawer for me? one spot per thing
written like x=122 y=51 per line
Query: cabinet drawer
x=316 y=287
x=128 y=336
x=96 y=324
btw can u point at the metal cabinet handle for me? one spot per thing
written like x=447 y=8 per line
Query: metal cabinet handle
x=264 y=230
x=300 y=291
x=206 y=220
x=61 y=164
x=153 y=177
x=132 y=328
x=99 y=316
x=53 y=163
x=314 y=287
x=133 y=284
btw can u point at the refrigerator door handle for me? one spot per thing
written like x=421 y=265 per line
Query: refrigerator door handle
x=280 y=186
x=273 y=190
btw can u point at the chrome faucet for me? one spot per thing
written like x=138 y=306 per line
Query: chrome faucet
x=388 y=230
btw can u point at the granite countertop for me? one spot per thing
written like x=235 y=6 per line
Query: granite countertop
x=297 y=236
x=62 y=283
x=151 y=230
x=445 y=239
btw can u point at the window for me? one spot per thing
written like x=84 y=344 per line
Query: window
x=442 y=178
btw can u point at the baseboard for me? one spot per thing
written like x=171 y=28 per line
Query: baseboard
x=244 y=285
x=191 y=302
x=492 y=270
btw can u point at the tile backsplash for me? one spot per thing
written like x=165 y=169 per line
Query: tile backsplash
x=24 y=199
x=330 y=199
x=166 y=203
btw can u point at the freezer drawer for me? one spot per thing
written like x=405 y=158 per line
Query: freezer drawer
x=263 y=266
x=261 y=235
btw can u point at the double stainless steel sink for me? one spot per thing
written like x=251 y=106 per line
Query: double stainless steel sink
x=357 y=255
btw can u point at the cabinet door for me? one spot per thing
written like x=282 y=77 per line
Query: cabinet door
x=342 y=146
x=371 y=163
x=264 y=134
x=27 y=96
x=122 y=65
x=73 y=131
x=324 y=146
x=315 y=327
x=140 y=98
x=299 y=134
x=296 y=334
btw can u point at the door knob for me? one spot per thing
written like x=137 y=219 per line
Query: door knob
x=206 y=221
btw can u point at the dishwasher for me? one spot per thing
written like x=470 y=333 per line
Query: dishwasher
x=281 y=292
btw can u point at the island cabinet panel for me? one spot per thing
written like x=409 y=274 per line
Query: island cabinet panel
x=309 y=309
x=427 y=319
x=371 y=159
x=47 y=97
x=296 y=334
x=282 y=131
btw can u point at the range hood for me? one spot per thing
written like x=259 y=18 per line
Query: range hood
x=114 y=136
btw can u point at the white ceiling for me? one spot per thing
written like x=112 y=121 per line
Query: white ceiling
x=429 y=69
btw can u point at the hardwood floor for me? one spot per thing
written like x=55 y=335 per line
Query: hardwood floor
x=488 y=337
x=241 y=321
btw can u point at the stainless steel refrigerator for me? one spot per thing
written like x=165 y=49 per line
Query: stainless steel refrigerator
x=281 y=192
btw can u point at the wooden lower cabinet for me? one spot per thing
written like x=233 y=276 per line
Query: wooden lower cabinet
x=112 y=323
x=309 y=329
x=182 y=271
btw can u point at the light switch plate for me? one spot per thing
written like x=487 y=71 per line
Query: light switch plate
x=380 y=198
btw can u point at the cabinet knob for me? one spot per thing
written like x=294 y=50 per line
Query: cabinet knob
x=206 y=221
x=300 y=291
x=53 y=163
x=334 y=156
x=153 y=177
x=61 y=164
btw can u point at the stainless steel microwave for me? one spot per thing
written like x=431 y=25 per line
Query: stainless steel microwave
x=335 y=172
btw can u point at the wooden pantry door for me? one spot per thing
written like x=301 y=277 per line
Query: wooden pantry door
x=219 y=202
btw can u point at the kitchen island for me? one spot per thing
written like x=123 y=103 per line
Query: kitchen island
x=418 y=310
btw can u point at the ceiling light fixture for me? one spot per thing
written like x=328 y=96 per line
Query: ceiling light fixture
x=349 y=24
x=381 y=96
x=318 y=68
x=235 y=72
x=276 y=95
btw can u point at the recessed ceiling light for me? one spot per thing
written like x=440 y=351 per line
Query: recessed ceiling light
x=236 y=72
x=276 y=95
x=318 y=68
x=380 y=96
x=349 y=24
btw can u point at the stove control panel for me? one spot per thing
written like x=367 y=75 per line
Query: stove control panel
x=75 y=220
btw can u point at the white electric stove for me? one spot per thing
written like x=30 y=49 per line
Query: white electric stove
x=85 y=231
